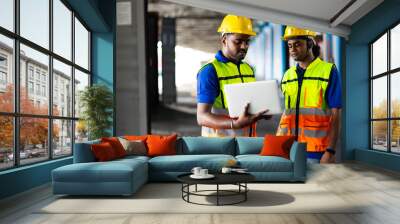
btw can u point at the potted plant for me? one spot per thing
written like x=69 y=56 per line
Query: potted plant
x=96 y=102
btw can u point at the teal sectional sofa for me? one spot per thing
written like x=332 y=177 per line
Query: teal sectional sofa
x=125 y=176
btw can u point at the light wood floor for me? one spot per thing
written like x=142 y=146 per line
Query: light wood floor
x=378 y=189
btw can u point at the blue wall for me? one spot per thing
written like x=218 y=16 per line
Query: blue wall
x=356 y=114
x=99 y=15
x=103 y=51
x=24 y=178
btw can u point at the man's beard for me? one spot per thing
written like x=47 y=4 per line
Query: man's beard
x=241 y=55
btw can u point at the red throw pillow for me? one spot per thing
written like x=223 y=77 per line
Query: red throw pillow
x=161 y=145
x=135 y=137
x=116 y=145
x=103 y=152
x=277 y=145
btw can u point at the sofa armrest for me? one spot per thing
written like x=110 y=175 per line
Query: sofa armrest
x=299 y=158
x=83 y=152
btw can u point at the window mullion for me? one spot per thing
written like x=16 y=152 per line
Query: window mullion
x=389 y=114
x=50 y=81
x=73 y=82
x=371 y=89
x=16 y=84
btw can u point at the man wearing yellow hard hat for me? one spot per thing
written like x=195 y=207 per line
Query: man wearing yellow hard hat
x=226 y=68
x=312 y=91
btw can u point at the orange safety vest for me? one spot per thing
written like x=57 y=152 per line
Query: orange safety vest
x=306 y=114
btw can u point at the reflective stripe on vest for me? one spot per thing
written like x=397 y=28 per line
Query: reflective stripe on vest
x=229 y=73
x=307 y=109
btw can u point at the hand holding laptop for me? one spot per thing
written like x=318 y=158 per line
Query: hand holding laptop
x=261 y=95
x=246 y=119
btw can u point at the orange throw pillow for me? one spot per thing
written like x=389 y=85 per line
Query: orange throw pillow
x=277 y=145
x=161 y=145
x=116 y=145
x=103 y=152
x=135 y=137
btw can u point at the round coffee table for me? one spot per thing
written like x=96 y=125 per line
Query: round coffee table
x=238 y=179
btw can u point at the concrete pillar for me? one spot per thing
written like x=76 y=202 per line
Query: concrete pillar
x=168 y=38
x=130 y=81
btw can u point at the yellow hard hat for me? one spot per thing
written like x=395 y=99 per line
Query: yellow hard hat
x=236 y=24
x=292 y=31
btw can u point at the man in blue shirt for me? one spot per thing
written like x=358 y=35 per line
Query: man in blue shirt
x=309 y=116
x=226 y=68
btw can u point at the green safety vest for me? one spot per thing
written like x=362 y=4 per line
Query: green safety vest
x=313 y=89
x=230 y=73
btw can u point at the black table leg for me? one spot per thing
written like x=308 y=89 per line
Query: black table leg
x=217 y=194
x=245 y=193
x=242 y=191
x=188 y=189
x=182 y=190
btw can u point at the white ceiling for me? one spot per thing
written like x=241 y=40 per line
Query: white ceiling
x=324 y=9
x=320 y=15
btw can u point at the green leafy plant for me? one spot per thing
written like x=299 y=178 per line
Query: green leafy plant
x=96 y=102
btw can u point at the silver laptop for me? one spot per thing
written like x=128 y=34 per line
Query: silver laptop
x=261 y=95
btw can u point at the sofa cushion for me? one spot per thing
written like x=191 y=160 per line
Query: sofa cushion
x=116 y=145
x=133 y=147
x=277 y=146
x=246 y=145
x=185 y=163
x=135 y=137
x=132 y=158
x=257 y=163
x=103 y=152
x=112 y=171
x=207 y=145
x=159 y=145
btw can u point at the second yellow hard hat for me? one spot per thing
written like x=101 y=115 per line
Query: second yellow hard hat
x=291 y=32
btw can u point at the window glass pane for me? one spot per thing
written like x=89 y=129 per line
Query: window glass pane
x=7 y=14
x=395 y=47
x=6 y=142
x=81 y=81
x=81 y=131
x=6 y=74
x=62 y=29
x=81 y=45
x=395 y=136
x=35 y=21
x=62 y=138
x=379 y=135
x=33 y=139
x=395 y=95
x=379 y=98
x=34 y=97
x=62 y=89
x=379 y=55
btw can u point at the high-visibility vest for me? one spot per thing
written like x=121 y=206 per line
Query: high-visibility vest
x=229 y=73
x=307 y=115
